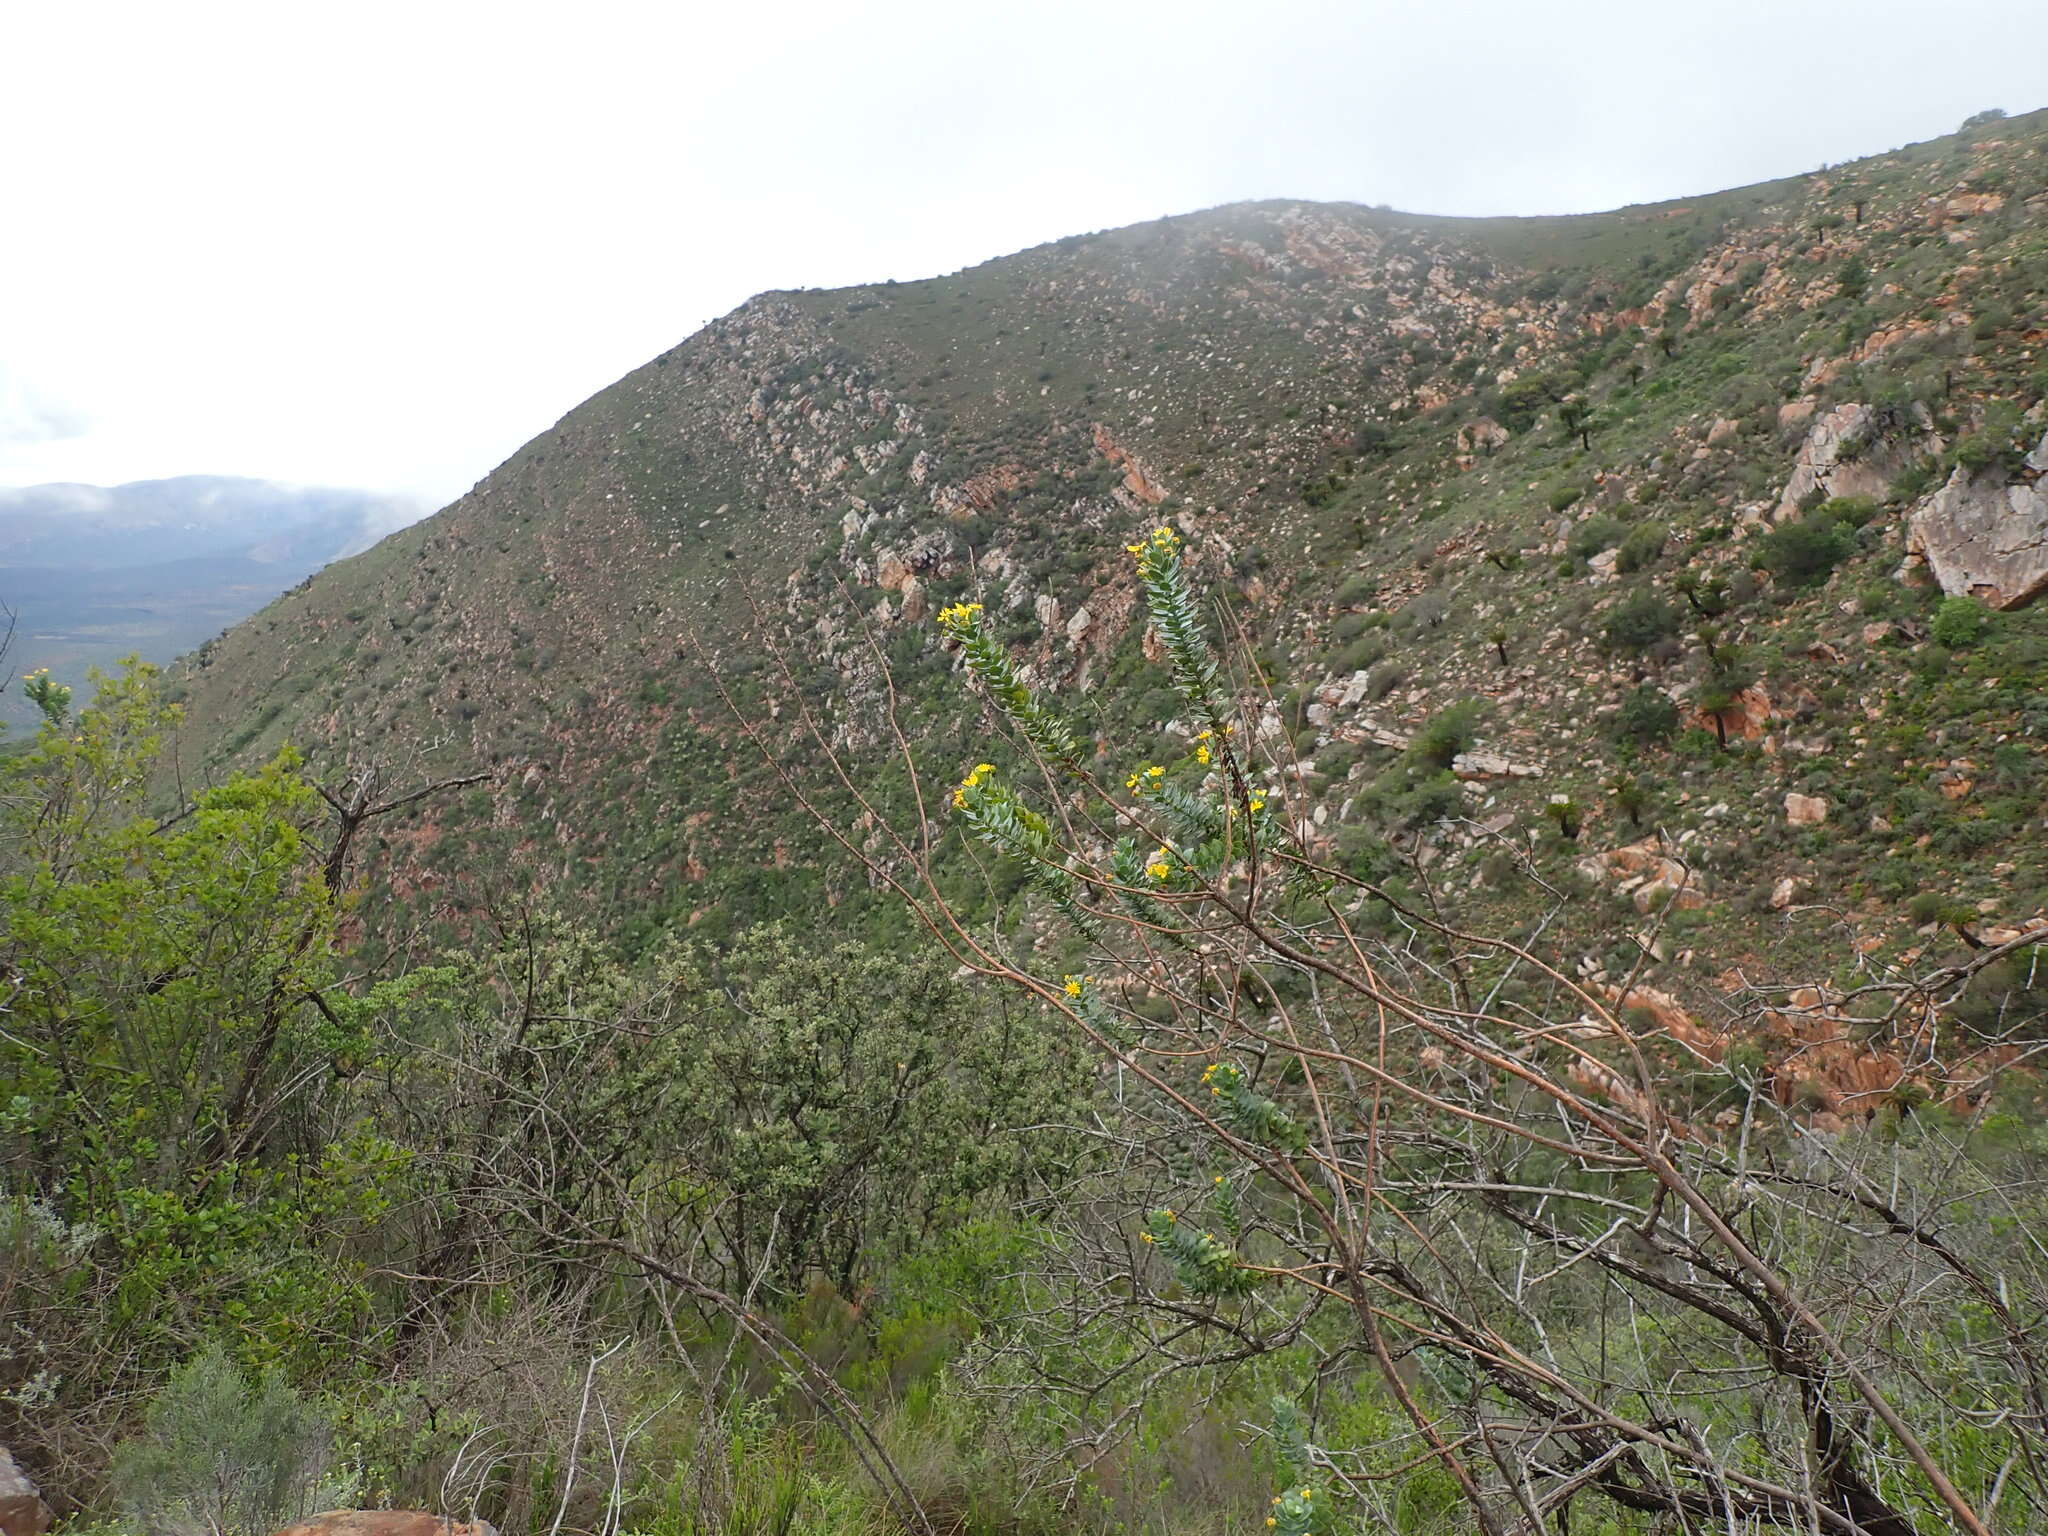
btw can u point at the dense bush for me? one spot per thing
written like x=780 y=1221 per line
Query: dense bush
x=1640 y=621
x=1959 y=623
x=1805 y=551
x=1595 y=534
x=1644 y=543
x=1646 y=715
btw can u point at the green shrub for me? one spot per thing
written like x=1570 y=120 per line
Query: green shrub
x=1959 y=623
x=1594 y=535
x=1640 y=621
x=1646 y=715
x=1804 y=553
x=1645 y=542
x=223 y=1456
x=1384 y=679
x=1449 y=732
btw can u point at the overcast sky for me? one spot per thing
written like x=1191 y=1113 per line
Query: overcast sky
x=381 y=245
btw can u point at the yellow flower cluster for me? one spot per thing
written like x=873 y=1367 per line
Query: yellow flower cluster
x=1145 y=778
x=1156 y=866
x=1209 y=1081
x=1075 y=985
x=1164 y=541
x=1202 y=753
x=981 y=771
x=959 y=616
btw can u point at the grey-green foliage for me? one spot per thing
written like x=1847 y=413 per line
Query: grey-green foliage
x=866 y=1098
x=221 y=1455
x=790 y=1109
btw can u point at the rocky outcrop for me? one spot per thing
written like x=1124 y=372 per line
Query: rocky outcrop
x=22 y=1510
x=1846 y=453
x=1805 y=810
x=386 y=1522
x=1986 y=539
x=1137 y=483
x=1482 y=435
x=1647 y=875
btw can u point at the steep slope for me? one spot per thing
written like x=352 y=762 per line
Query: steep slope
x=1667 y=490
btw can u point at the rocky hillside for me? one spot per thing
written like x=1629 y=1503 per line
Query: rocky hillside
x=1708 y=531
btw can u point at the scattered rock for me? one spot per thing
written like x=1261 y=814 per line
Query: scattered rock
x=1805 y=810
x=22 y=1510
x=1722 y=430
x=1492 y=765
x=1984 y=538
x=1784 y=891
x=386 y=1522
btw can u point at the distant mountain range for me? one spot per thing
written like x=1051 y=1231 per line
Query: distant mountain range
x=157 y=567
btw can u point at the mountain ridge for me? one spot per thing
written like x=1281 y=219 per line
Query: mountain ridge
x=1544 y=465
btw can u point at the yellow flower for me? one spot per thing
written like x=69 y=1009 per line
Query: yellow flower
x=1155 y=772
x=1202 y=755
x=1146 y=1237
x=1073 y=986
x=1219 y=1178
x=1258 y=803
x=1158 y=869
x=959 y=615
x=1270 y=1520
x=1134 y=549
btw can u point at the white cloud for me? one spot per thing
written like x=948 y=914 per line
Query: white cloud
x=383 y=243
x=28 y=417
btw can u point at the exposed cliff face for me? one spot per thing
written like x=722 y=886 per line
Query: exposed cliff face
x=1986 y=536
x=1557 y=466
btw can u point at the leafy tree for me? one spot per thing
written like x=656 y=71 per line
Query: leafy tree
x=1575 y=415
x=1706 y=596
x=178 y=1050
x=1725 y=672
